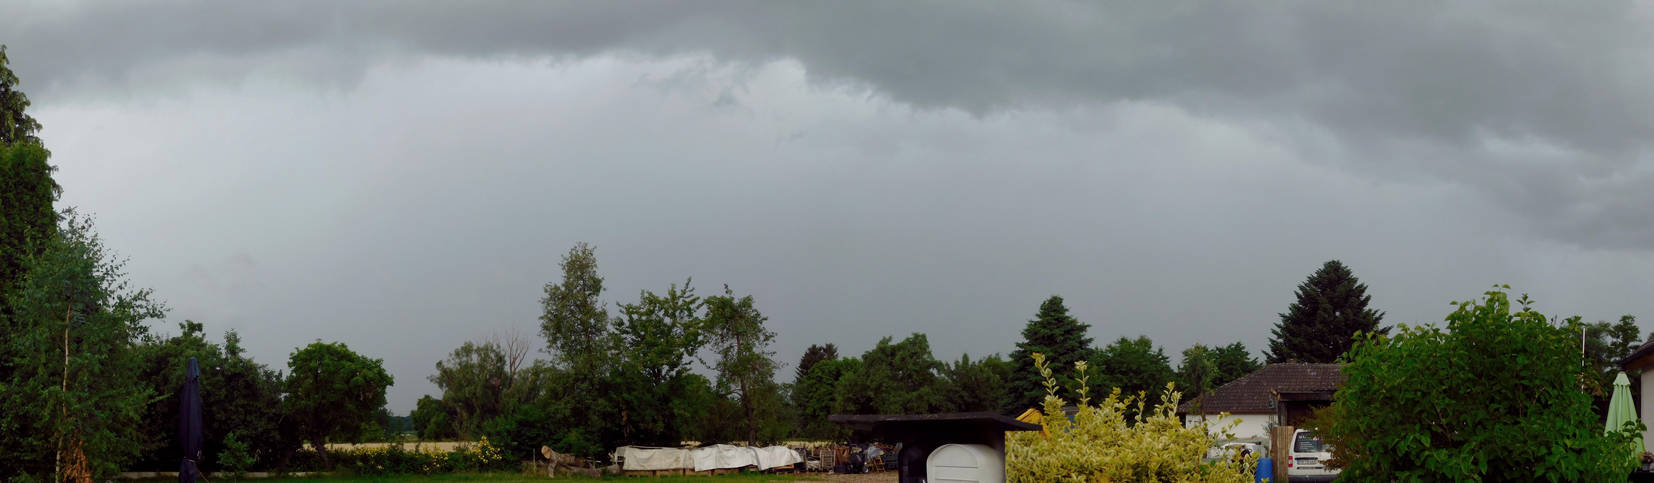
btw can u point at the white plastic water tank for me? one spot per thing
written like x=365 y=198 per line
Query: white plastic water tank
x=965 y=462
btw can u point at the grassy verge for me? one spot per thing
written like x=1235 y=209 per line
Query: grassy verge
x=512 y=477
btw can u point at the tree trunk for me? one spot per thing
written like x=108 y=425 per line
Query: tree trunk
x=68 y=316
x=321 y=449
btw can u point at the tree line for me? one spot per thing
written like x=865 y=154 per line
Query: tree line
x=627 y=376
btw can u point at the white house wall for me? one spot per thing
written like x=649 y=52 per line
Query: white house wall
x=1648 y=407
x=1249 y=426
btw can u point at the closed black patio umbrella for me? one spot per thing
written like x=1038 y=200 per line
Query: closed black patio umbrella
x=189 y=423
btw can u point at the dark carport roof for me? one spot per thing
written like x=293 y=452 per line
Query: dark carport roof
x=885 y=422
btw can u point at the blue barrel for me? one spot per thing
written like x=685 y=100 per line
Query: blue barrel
x=1266 y=470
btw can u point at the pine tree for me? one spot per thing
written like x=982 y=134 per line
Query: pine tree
x=1061 y=338
x=1320 y=326
x=815 y=354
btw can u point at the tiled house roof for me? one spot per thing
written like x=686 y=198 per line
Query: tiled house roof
x=1255 y=393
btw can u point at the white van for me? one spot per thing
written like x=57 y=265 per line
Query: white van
x=1309 y=458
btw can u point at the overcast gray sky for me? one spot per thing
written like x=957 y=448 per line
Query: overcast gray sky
x=404 y=176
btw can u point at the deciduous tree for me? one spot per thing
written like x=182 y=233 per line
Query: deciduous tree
x=1133 y=366
x=744 y=363
x=1493 y=396
x=574 y=320
x=1233 y=361
x=473 y=379
x=895 y=378
x=979 y=385
x=69 y=403
x=239 y=394
x=16 y=126
x=332 y=391
x=659 y=337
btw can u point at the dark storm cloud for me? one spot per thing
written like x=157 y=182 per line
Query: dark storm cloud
x=1412 y=89
x=403 y=176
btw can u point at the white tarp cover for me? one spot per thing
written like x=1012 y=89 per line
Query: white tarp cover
x=776 y=456
x=641 y=458
x=719 y=456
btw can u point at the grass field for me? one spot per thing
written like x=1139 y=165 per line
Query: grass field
x=514 y=477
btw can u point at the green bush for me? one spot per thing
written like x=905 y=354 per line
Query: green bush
x=1496 y=396
x=235 y=458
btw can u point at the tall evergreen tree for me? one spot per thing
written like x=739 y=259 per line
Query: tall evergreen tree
x=813 y=355
x=1061 y=338
x=1320 y=326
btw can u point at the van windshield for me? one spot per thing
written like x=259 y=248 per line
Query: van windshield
x=1308 y=443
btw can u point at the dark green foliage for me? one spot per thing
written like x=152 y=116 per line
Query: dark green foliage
x=980 y=385
x=1493 y=397
x=1134 y=366
x=473 y=381
x=1197 y=374
x=1233 y=361
x=1060 y=337
x=584 y=409
x=815 y=354
x=16 y=126
x=1206 y=368
x=236 y=457
x=660 y=336
x=576 y=326
x=238 y=394
x=431 y=419
x=1321 y=325
x=737 y=336
x=27 y=219
x=813 y=397
x=1605 y=346
x=520 y=434
x=70 y=360
x=332 y=391
x=693 y=408
x=895 y=378
x=574 y=320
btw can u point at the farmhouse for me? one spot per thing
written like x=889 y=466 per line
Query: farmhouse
x=1278 y=394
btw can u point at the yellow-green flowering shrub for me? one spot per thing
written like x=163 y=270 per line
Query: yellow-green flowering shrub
x=1100 y=444
x=399 y=459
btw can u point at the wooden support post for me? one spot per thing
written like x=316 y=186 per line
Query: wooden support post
x=1280 y=448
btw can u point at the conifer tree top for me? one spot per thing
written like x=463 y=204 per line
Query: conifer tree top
x=1319 y=327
